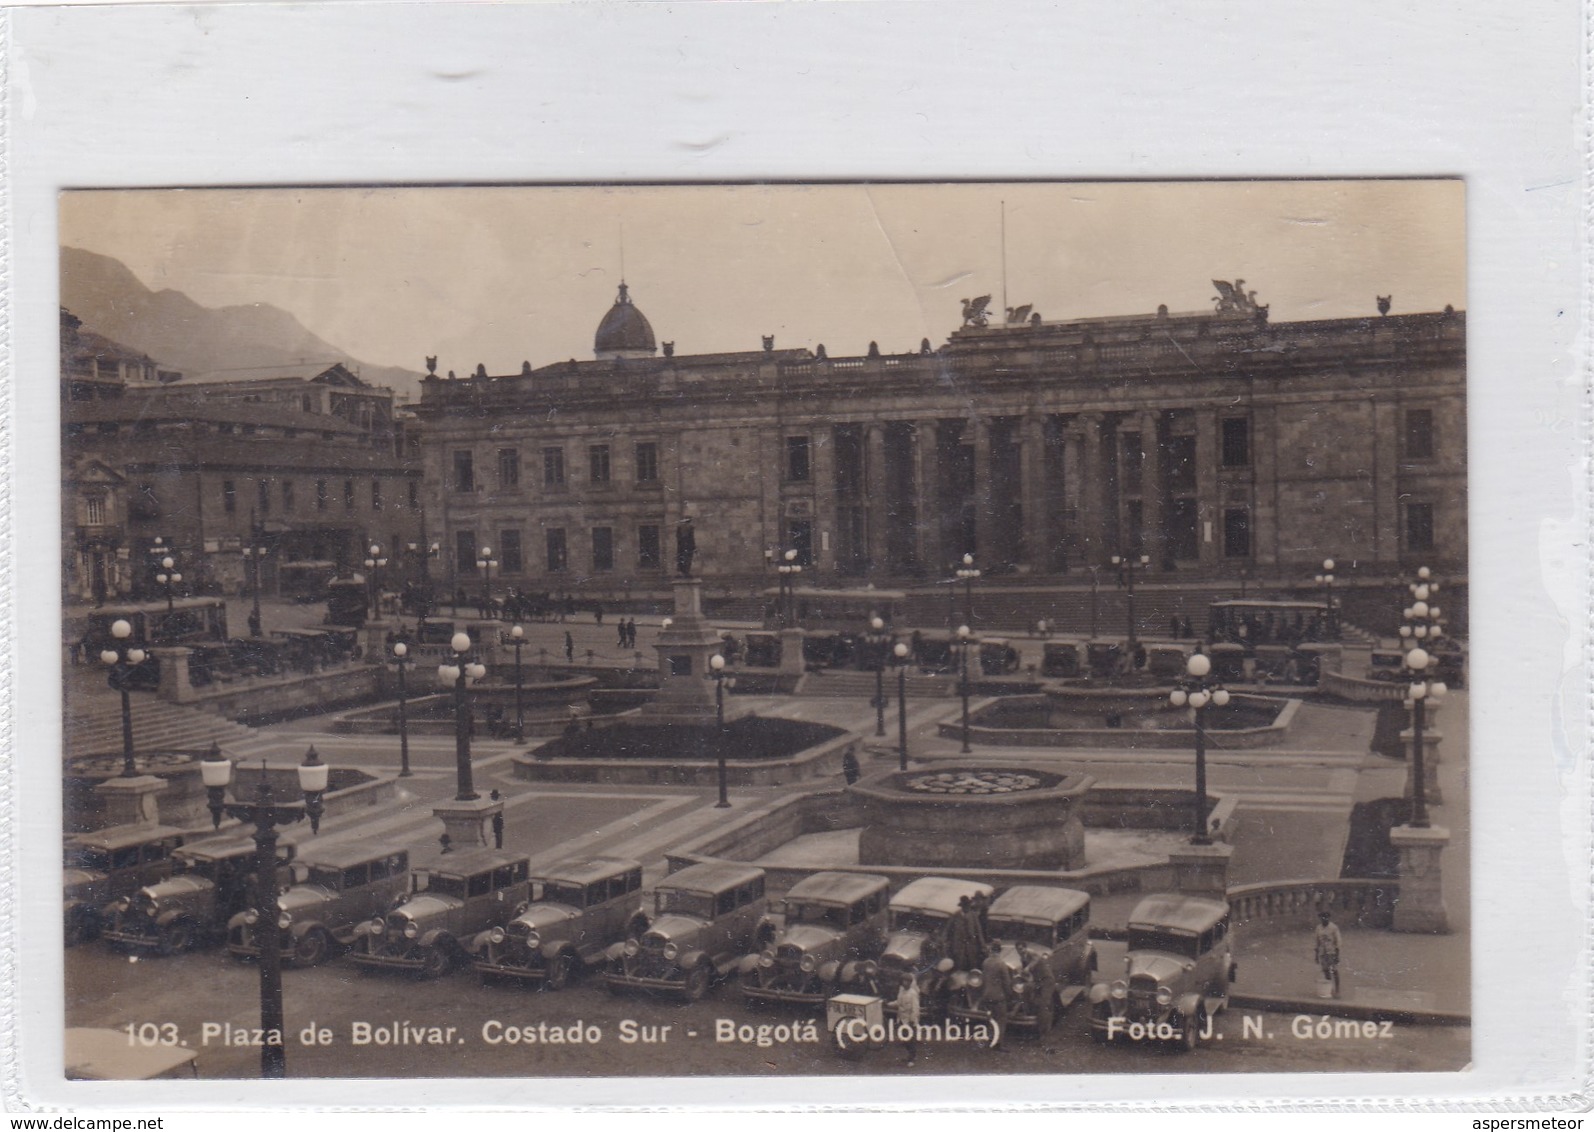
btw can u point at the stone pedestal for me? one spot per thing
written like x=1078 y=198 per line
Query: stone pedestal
x=1421 y=907
x=373 y=639
x=175 y=686
x=1430 y=763
x=791 y=652
x=468 y=824
x=1202 y=870
x=131 y=801
x=490 y=645
x=686 y=688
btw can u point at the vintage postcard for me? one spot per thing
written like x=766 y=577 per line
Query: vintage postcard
x=850 y=629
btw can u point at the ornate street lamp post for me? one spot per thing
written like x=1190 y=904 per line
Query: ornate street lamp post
x=1326 y=580
x=1127 y=564
x=517 y=637
x=788 y=569
x=266 y=815
x=253 y=553
x=967 y=573
x=401 y=657
x=121 y=660
x=965 y=638
x=900 y=652
x=460 y=675
x=1421 y=628
x=716 y=665
x=879 y=642
x=373 y=565
x=168 y=578
x=485 y=563
x=1198 y=691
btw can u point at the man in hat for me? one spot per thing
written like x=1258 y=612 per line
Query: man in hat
x=1326 y=942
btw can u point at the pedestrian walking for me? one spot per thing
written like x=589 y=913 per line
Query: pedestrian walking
x=498 y=822
x=997 y=992
x=907 y=1004
x=620 y=633
x=1326 y=948
x=570 y=648
x=597 y=612
x=630 y=633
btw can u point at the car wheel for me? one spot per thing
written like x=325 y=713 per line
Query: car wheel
x=313 y=948
x=560 y=969
x=697 y=981
x=436 y=962
x=176 y=937
x=1190 y=1032
x=81 y=928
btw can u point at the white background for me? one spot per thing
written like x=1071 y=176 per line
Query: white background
x=447 y=93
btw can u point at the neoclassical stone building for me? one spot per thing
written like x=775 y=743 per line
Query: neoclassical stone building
x=1217 y=443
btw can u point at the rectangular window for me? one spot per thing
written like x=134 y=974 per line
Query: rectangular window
x=647 y=462
x=598 y=463
x=553 y=467
x=287 y=495
x=465 y=552
x=414 y=495
x=1419 y=434
x=1237 y=533
x=508 y=468
x=376 y=495
x=464 y=472
x=509 y=559
x=797 y=466
x=320 y=495
x=229 y=496
x=94 y=511
x=1419 y=526
x=1236 y=442
x=602 y=548
x=557 y=560
x=348 y=495
x=647 y=547
x=263 y=496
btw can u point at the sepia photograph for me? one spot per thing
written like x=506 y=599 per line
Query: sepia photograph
x=796 y=629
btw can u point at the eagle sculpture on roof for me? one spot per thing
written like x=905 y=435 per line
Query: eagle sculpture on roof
x=974 y=311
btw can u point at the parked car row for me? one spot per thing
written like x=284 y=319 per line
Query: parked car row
x=833 y=932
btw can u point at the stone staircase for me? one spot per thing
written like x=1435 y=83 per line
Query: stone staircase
x=847 y=684
x=94 y=725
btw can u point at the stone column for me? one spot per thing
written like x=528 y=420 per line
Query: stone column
x=175 y=686
x=926 y=486
x=467 y=823
x=1421 y=907
x=875 y=502
x=1209 y=497
x=1037 y=510
x=1153 y=535
x=1091 y=493
x=1383 y=437
x=980 y=434
x=1202 y=870
x=822 y=466
x=1265 y=538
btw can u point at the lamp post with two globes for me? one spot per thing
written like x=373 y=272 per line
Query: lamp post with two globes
x=266 y=815
x=1126 y=565
x=401 y=658
x=517 y=637
x=168 y=578
x=722 y=679
x=966 y=573
x=1326 y=580
x=374 y=561
x=485 y=563
x=879 y=644
x=787 y=570
x=121 y=659
x=900 y=657
x=1198 y=692
x=459 y=676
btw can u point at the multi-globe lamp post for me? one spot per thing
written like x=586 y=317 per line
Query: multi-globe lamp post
x=899 y=654
x=722 y=680
x=168 y=577
x=879 y=644
x=967 y=572
x=485 y=563
x=517 y=637
x=1421 y=629
x=787 y=570
x=374 y=561
x=460 y=676
x=1126 y=565
x=965 y=638
x=253 y=554
x=1326 y=580
x=1198 y=691
x=401 y=658
x=121 y=659
x=265 y=814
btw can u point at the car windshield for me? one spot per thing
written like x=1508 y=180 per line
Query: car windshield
x=684 y=903
x=87 y=857
x=1017 y=931
x=1149 y=939
x=552 y=892
x=913 y=920
x=187 y=866
x=443 y=886
x=327 y=878
x=809 y=912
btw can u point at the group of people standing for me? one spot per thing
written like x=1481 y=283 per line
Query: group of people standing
x=627 y=631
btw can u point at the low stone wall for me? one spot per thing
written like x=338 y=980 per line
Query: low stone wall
x=817 y=762
x=1362 y=691
x=1277 y=906
x=1126 y=738
x=265 y=699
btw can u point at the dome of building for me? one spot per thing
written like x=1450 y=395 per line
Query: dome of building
x=624 y=331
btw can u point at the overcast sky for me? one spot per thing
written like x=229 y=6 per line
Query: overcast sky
x=502 y=275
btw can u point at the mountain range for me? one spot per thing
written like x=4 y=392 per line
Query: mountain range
x=178 y=332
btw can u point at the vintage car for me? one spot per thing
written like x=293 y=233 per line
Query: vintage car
x=111 y=863
x=997 y=657
x=1061 y=659
x=1177 y=973
x=705 y=918
x=916 y=930
x=333 y=891
x=426 y=929
x=827 y=924
x=211 y=881
x=1044 y=934
x=578 y=908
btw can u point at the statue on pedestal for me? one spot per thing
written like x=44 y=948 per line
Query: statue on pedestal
x=685 y=547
